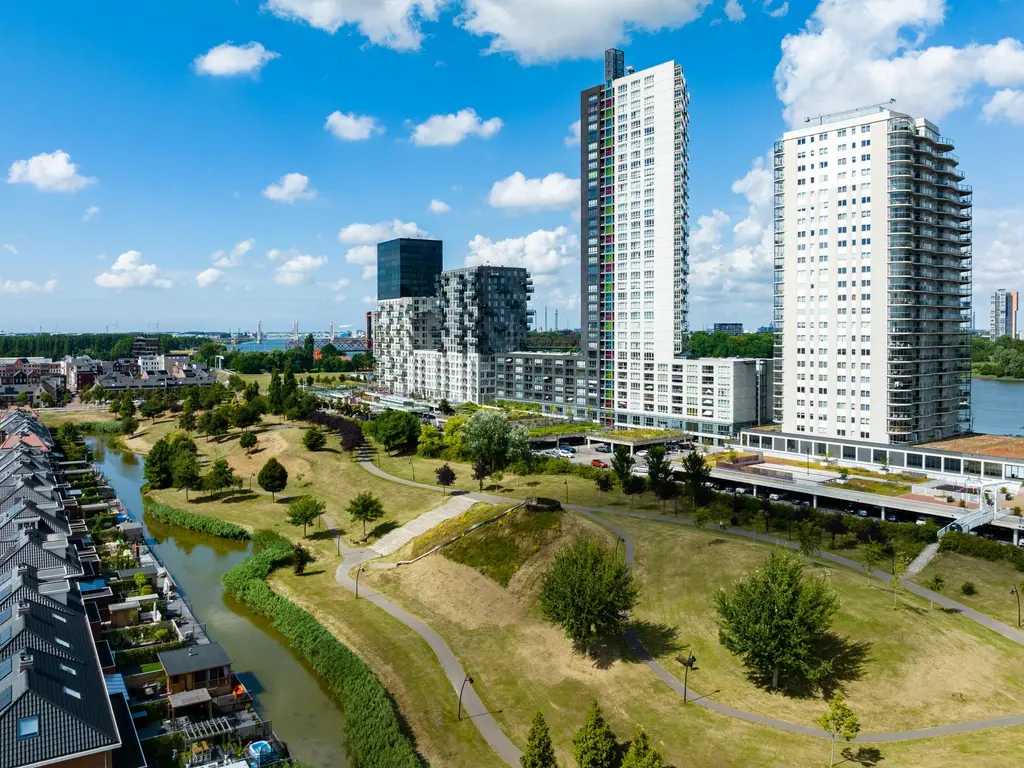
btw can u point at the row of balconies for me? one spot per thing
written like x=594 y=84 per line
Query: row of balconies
x=944 y=275
x=919 y=257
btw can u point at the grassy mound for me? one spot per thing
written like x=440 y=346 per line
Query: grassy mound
x=500 y=549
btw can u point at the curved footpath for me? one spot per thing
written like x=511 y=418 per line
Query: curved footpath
x=507 y=750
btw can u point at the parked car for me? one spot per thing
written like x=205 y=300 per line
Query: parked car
x=568 y=448
x=563 y=454
x=890 y=517
x=599 y=464
x=922 y=521
x=641 y=454
x=640 y=471
x=862 y=513
x=774 y=497
x=603 y=448
x=741 y=490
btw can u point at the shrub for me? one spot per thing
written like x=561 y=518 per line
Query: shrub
x=136 y=657
x=372 y=731
x=968 y=588
x=544 y=504
x=194 y=522
x=984 y=549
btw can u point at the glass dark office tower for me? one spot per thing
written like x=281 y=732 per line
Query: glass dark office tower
x=408 y=267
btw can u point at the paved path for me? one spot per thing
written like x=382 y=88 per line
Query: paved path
x=922 y=560
x=670 y=680
x=472 y=707
x=398 y=538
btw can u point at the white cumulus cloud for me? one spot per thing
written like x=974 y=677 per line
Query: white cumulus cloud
x=298 y=268
x=544 y=253
x=362 y=254
x=438 y=206
x=228 y=59
x=549 y=30
x=352 y=127
x=49 y=172
x=234 y=257
x=573 y=139
x=734 y=11
x=369 y=271
x=208 y=277
x=289 y=188
x=553 y=191
x=27 y=286
x=91 y=211
x=129 y=272
x=390 y=23
x=446 y=130
x=854 y=52
x=1007 y=104
x=365 y=234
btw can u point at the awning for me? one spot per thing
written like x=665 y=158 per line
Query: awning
x=188 y=698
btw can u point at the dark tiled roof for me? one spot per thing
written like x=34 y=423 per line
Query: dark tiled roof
x=33 y=549
x=25 y=512
x=194 y=658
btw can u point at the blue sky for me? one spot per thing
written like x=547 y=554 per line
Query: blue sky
x=210 y=187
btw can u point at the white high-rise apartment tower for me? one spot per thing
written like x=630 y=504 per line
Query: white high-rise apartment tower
x=872 y=280
x=634 y=219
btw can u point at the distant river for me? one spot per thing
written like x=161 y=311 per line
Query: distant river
x=267 y=345
x=997 y=407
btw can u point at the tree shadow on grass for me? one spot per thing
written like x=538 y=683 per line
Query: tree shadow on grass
x=312 y=573
x=324 y=535
x=846 y=657
x=384 y=528
x=240 y=497
x=865 y=756
x=657 y=640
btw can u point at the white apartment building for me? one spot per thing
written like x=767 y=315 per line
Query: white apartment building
x=872 y=280
x=400 y=328
x=634 y=208
x=1003 y=314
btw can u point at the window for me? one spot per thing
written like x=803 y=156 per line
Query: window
x=72 y=693
x=69 y=670
x=60 y=618
x=63 y=642
x=28 y=727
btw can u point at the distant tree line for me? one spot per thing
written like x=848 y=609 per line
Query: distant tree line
x=1002 y=357
x=100 y=346
x=718 y=344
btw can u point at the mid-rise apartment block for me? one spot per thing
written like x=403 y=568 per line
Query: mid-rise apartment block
x=403 y=327
x=872 y=280
x=408 y=267
x=634 y=210
x=729 y=329
x=1003 y=314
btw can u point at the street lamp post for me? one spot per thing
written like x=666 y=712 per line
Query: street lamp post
x=567 y=489
x=250 y=480
x=461 y=689
x=688 y=663
x=1016 y=593
x=358 y=571
x=617 y=542
x=413 y=468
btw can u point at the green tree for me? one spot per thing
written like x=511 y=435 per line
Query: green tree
x=304 y=511
x=622 y=466
x=900 y=563
x=127 y=406
x=314 y=439
x=187 y=421
x=431 y=442
x=252 y=391
x=444 y=406
x=273 y=477
x=220 y=476
x=275 y=394
x=365 y=508
x=871 y=555
x=490 y=438
x=46 y=400
x=152 y=407
x=594 y=745
x=775 y=619
x=659 y=470
x=603 y=482
x=245 y=416
x=396 y=429
x=185 y=471
x=159 y=470
x=696 y=474
x=936 y=584
x=301 y=557
x=701 y=518
x=761 y=520
x=480 y=473
x=22 y=399
x=248 y=441
x=587 y=592
x=641 y=754
x=128 y=425
x=539 y=752
x=840 y=722
x=445 y=476
x=835 y=525
x=808 y=533
x=69 y=433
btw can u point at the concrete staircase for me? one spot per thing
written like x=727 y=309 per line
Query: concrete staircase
x=922 y=560
x=398 y=538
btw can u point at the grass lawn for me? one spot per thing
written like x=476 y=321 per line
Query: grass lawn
x=329 y=475
x=992 y=580
x=54 y=419
x=499 y=550
x=580 y=491
x=521 y=665
x=263 y=379
x=401 y=659
x=900 y=661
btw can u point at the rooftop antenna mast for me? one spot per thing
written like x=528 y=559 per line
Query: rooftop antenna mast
x=821 y=119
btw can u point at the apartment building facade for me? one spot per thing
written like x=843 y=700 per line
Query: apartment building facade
x=634 y=209
x=1003 y=314
x=408 y=267
x=872 y=276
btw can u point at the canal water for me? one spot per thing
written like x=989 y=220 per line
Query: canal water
x=997 y=407
x=288 y=693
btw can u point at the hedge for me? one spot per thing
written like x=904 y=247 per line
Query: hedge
x=984 y=549
x=100 y=427
x=155 y=710
x=194 y=522
x=136 y=657
x=372 y=731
